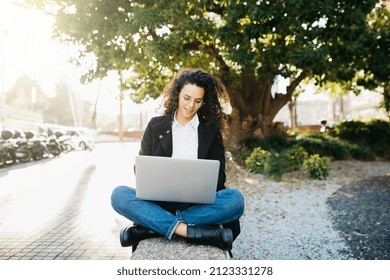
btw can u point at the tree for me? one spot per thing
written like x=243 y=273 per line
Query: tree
x=245 y=43
x=59 y=111
x=373 y=68
x=27 y=94
x=376 y=63
x=65 y=108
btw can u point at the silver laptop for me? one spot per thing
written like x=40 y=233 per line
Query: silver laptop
x=176 y=180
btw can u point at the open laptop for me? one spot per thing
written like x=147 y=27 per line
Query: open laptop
x=176 y=180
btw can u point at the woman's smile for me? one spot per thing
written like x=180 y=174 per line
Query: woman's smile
x=190 y=100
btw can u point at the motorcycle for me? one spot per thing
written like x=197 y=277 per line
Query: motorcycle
x=64 y=142
x=4 y=153
x=13 y=148
x=49 y=140
x=7 y=154
x=37 y=149
x=52 y=145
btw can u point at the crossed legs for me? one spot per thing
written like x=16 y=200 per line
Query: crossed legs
x=228 y=206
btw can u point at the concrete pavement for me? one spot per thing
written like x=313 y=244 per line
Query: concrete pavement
x=59 y=209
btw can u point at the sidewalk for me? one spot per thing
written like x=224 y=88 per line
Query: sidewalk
x=63 y=212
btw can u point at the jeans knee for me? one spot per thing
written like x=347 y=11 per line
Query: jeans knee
x=235 y=201
x=239 y=200
x=118 y=195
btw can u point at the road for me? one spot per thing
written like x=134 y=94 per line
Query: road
x=59 y=208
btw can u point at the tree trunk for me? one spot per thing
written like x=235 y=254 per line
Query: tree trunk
x=254 y=109
x=292 y=107
x=341 y=115
x=386 y=99
x=254 y=117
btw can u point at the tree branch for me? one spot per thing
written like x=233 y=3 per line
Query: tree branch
x=293 y=85
x=213 y=52
x=282 y=99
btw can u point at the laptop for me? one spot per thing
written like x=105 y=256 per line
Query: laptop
x=176 y=180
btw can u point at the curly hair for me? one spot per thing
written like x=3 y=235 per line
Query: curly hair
x=215 y=93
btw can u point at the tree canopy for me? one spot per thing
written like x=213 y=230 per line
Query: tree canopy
x=247 y=44
x=27 y=94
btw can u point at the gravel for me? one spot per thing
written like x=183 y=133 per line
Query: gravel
x=299 y=218
x=366 y=226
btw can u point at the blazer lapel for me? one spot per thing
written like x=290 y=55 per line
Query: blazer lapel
x=163 y=132
x=205 y=137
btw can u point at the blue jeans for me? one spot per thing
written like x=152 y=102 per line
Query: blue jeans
x=163 y=217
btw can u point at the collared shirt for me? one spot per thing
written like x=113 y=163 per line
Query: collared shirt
x=185 y=139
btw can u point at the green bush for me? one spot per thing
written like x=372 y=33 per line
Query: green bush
x=245 y=148
x=295 y=157
x=338 y=149
x=375 y=134
x=379 y=137
x=243 y=154
x=310 y=144
x=353 y=131
x=361 y=152
x=258 y=160
x=317 y=166
x=277 y=154
x=277 y=165
x=378 y=131
x=249 y=143
x=324 y=145
x=275 y=142
x=274 y=164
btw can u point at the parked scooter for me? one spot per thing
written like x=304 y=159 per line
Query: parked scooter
x=5 y=153
x=53 y=146
x=64 y=141
x=49 y=140
x=13 y=148
x=19 y=142
x=37 y=149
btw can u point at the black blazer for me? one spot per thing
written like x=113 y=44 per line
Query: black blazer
x=157 y=141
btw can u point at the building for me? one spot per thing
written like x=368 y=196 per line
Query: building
x=311 y=109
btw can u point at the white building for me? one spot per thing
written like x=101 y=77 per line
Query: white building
x=312 y=108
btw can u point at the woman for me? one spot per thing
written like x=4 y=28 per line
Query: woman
x=191 y=127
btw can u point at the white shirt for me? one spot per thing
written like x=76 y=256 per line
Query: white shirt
x=185 y=139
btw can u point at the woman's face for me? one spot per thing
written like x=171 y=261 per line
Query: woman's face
x=190 y=101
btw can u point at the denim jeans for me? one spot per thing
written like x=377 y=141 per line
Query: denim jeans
x=163 y=217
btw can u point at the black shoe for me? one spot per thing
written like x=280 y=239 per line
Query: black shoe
x=215 y=236
x=130 y=236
